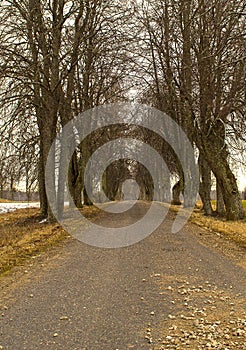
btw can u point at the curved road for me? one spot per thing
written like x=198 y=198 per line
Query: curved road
x=80 y=297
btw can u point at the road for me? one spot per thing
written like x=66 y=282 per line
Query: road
x=80 y=297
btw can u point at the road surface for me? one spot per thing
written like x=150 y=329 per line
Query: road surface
x=80 y=297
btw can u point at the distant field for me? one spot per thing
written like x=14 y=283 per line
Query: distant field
x=214 y=203
x=4 y=200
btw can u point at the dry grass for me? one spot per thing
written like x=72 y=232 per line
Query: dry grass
x=214 y=204
x=23 y=236
x=233 y=230
x=5 y=200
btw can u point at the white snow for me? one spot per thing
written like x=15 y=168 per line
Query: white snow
x=9 y=207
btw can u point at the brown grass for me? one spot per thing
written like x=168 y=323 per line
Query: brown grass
x=23 y=236
x=5 y=200
x=233 y=230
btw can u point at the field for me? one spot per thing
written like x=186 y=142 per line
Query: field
x=4 y=200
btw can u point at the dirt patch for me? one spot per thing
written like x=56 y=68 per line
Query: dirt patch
x=206 y=317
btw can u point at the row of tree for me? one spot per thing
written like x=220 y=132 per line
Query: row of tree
x=59 y=58
x=195 y=71
x=62 y=57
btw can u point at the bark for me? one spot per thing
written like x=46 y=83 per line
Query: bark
x=216 y=156
x=220 y=205
x=61 y=182
x=75 y=183
x=176 y=192
x=86 y=199
x=12 y=187
x=42 y=190
x=110 y=185
x=166 y=198
x=48 y=164
x=231 y=195
x=77 y=197
x=86 y=151
x=205 y=186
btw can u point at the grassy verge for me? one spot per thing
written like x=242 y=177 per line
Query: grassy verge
x=23 y=236
x=233 y=230
x=5 y=200
x=243 y=202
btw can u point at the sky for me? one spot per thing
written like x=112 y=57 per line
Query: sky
x=241 y=178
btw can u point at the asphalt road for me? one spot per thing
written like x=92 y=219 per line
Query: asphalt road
x=82 y=297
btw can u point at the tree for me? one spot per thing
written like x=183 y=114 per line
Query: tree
x=197 y=53
x=61 y=58
x=19 y=154
x=53 y=54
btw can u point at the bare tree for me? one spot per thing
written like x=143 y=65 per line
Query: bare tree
x=59 y=58
x=197 y=63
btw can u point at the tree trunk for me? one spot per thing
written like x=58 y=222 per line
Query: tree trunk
x=49 y=170
x=231 y=195
x=220 y=205
x=227 y=182
x=75 y=182
x=110 y=186
x=12 y=187
x=176 y=191
x=78 y=194
x=86 y=198
x=41 y=180
x=61 y=181
x=166 y=189
x=205 y=185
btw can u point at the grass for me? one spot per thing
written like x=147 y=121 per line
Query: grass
x=5 y=200
x=2 y=200
x=23 y=236
x=233 y=230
